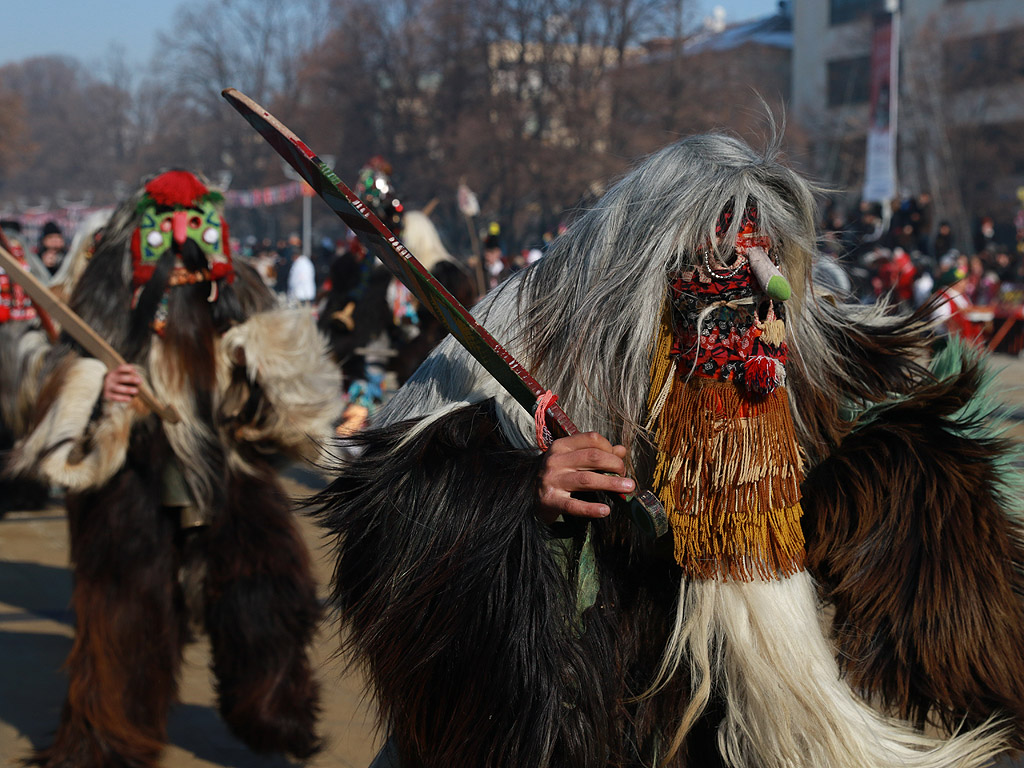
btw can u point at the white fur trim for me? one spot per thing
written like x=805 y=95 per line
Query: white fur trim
x=761 y=643
x=420 y=236
x=68 y=447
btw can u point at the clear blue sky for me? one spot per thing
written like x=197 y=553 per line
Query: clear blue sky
x=86 y=29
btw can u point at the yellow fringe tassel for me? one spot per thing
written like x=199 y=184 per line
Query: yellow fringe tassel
x=729 y=473
x=661 y=362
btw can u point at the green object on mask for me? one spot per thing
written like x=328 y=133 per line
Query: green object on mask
x=778 y=288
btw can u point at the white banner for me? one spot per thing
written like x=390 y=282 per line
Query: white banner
x=880 y=158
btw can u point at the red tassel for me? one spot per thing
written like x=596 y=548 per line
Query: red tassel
x=176 y=188
x=762 y=374
x=544 y=437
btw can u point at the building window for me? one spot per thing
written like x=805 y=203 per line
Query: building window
x=842 y=11
x=976 y=62
x=849 y=81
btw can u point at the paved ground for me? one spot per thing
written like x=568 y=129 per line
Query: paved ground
x=36 y=631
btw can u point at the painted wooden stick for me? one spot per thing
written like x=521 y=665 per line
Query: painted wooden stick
x=645 y=508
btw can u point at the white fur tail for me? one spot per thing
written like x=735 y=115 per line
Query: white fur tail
x=761 y=643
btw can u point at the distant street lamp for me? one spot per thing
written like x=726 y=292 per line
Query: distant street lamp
x=307 y=203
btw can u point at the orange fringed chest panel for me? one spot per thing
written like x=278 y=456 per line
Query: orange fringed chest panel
x=728 y=472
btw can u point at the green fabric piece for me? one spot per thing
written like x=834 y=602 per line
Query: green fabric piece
x=573 y=549
x=174 y=491
x=587 y=578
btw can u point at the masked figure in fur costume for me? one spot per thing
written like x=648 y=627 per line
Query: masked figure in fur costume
x=374 y=324
x=182 y=524
x=509 y=617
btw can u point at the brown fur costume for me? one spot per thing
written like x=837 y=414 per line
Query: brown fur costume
x=249 y=382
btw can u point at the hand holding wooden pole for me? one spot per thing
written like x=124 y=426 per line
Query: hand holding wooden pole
x=78 y=329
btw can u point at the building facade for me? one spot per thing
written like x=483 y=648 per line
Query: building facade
x=960 y=117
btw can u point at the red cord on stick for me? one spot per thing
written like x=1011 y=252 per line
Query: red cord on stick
x=544 y=402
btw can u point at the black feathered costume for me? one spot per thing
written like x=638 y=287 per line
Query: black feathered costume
x=492 y=639
x=372 y=321
x=181 y=524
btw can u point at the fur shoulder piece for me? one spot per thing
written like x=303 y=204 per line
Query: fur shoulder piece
x=456 y=606
x=913 y=536
x=280 y=386
x=79 y=442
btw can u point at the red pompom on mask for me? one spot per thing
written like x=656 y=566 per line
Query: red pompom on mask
x=176 y=188
x=763 y=374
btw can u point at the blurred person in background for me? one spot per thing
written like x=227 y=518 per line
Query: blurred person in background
x=950 y=302
x=52 y=247
x=943 y=242
x=301 y=279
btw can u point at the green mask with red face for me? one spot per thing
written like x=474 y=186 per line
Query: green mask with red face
x=177 y=207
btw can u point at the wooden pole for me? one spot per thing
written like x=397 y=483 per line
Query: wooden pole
x=481 y=281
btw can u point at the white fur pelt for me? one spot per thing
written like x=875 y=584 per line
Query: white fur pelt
x=288 y=356
x=283 y=354
x=69 y=447
x=79 y=252
x=760 y=643
x=23 y=348
x=420 y=236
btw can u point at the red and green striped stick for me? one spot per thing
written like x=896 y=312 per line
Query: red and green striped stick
x=383 y=244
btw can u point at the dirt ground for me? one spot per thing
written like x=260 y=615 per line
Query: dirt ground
x=36 y=629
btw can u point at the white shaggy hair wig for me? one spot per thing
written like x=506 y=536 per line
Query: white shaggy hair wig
x=584 y=319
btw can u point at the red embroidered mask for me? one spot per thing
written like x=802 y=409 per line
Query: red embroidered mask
x=728 y=318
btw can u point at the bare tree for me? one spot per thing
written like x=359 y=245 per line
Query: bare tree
x=927 y=131
x=254 y=45
x=71 y=117
x=16 y=146
x=533 y=103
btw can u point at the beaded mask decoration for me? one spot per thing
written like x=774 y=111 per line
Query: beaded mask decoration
x=377 y=190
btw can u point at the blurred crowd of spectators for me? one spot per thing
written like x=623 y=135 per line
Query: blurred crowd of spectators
x=902 y=254
x=907 y=255
x=973 y=281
